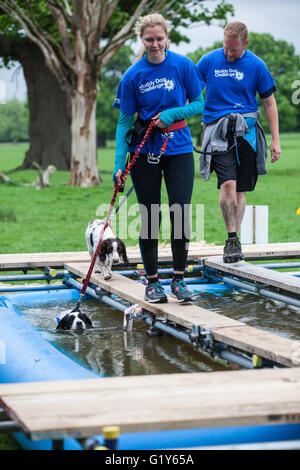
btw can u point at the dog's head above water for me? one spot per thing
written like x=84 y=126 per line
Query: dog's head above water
x=73 y=320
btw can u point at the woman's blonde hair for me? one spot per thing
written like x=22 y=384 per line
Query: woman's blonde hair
x=154 y=19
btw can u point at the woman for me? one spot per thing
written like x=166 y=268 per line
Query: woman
x=157 y=87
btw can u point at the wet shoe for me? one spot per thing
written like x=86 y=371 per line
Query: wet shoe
x=155 y=293
x=232 y=251
x=180 y=291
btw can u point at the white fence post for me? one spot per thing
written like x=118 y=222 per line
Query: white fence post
x=2 y=92
x=255 y=225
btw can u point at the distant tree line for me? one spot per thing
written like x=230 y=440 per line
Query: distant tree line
x=14 y=121
x=280 y=57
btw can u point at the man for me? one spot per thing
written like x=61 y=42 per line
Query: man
x=234 y=144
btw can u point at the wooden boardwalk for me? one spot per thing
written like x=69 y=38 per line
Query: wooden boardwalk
x=55 y=260
x=252 y=272
x=224 y=329
x=80 y=408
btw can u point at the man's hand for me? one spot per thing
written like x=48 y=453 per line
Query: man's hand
x=275 y=150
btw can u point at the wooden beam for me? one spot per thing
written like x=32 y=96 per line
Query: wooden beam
x=35 y=260
x=252 y=272
x=150 y=403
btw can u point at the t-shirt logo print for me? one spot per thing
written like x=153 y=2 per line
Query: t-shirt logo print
x=164 y=83
x=232 y=73
x=169 y=84
x=239 y=75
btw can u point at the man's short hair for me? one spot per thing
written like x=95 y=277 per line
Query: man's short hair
x=236 y=29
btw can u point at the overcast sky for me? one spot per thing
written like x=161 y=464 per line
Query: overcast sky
x=277 y=17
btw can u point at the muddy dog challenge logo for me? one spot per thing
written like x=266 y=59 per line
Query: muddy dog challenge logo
x=232 y=73
x=158 y=83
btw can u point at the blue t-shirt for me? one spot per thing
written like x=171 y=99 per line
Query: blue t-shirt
x=232 y=86
x=148 y=88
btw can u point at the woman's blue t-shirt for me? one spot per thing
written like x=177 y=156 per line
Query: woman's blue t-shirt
x=232 y=86
x=148 y=89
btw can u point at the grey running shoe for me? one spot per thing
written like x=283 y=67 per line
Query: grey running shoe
x=180 y=291
x=155 y=293
x=232 y=251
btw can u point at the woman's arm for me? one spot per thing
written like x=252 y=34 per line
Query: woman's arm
x=124 y=125
x=168 y=116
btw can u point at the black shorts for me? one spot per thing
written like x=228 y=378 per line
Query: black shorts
x=227 y=167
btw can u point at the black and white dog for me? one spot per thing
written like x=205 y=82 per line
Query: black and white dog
x=73 y=320
x=112 y=249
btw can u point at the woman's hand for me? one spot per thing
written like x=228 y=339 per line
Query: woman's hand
x=118 y=178
x=159 y=123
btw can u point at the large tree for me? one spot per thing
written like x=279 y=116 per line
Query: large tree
x=77 y=38
x=50 y=111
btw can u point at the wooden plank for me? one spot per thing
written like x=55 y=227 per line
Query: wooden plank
x=224 y=329
x=255 y=273
x=197 y=250
x=151 y=403
x=40 y=260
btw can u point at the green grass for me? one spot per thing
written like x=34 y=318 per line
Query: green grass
x=55 y=218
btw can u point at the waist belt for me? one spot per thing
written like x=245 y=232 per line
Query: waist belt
x=175 y=126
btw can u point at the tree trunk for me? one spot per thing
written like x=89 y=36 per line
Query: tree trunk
x=84 y=167
x=49 y=108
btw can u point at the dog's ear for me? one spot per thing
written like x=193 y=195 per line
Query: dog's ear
x=103 y=251
x=64 y=323
x=122 y=251
x=85 y=319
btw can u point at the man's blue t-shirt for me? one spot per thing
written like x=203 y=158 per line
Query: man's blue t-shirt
x=232 y=86
x=148 y=88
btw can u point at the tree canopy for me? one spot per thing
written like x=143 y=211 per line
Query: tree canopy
x=78 y=38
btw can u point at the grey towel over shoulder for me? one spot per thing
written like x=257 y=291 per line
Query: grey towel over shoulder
x=215 y=140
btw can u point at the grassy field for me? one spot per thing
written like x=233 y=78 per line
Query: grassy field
x=55 y=218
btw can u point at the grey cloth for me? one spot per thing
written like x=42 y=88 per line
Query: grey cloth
x=215 y=140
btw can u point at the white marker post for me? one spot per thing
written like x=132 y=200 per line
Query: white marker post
x=255 y=225
x=2 y=92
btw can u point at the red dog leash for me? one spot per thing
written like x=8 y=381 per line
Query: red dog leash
x=116 y=190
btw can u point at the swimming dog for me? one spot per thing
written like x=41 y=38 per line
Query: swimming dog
x=73 y=320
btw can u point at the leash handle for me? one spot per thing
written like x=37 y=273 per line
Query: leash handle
x=116 y=190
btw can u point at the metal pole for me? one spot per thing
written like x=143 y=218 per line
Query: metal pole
x=256 y=290
x=292 y=264
x=30 y=277
x=8 y=427
x=33 y=288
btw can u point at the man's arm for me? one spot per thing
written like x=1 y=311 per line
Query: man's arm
x=270 y=108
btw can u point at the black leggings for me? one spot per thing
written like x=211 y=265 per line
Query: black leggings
x=178 y=172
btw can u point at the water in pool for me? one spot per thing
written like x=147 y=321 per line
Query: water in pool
x=108 y=350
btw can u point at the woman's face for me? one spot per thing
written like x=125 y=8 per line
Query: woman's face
x=155 y=41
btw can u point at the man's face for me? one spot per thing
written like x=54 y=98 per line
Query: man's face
x=234 y=48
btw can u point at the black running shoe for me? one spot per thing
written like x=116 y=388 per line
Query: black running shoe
x=155 y=293
x=232 y=251
x=180 y=291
